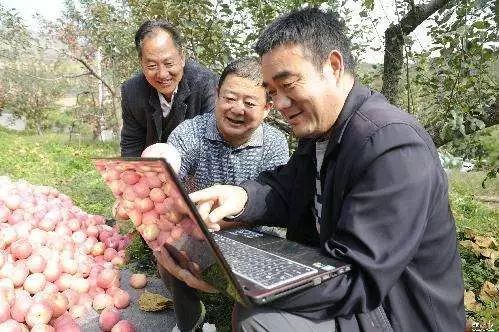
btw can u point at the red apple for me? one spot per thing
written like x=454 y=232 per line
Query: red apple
x=123 y=326
x=38 y=313
x=138 y=280
x=108 y=318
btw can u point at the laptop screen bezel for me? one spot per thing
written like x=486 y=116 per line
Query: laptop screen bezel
x=192 y=208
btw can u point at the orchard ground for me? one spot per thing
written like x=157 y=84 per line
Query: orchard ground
x=53 y=160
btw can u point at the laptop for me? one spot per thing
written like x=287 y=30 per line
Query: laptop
x=251 y=266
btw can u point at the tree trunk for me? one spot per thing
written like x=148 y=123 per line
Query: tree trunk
x=394 y=45
x=392 y=63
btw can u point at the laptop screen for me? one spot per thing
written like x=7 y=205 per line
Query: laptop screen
x=152 y=196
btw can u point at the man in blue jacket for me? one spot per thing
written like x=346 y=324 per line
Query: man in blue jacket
x=365 y=185
x=169 y=89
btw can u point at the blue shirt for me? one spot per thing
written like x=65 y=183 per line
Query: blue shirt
x=207 y=159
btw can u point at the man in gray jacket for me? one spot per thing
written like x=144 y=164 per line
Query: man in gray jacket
x=169 y=89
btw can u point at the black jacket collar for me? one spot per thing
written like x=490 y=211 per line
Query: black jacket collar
x=356 y=97
x=183 y=91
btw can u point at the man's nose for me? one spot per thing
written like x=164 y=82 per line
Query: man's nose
x=163 y=72
x=238 y=107
x=281 y=101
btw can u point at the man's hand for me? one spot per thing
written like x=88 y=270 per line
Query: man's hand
x=227 y=200
x=186 y=270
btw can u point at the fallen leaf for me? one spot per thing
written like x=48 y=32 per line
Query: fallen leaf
x=492 y=264
x=470 y=302
x=154 y=302
x=486 y=252
x=489 y=292
x=484 y=241
x=470 y=233
x=468 y=244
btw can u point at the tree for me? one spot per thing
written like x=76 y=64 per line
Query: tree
x=22 y=64
x=98 y=36
x=456 y=76
x=395 y=37
x=33 y=102
x=11 y=25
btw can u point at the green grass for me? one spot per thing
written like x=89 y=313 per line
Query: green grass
x=467 y=210
x=54 y=161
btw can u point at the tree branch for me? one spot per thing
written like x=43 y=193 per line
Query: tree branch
x=394 y=44
x=91 y=71
x=418 y=14
x=58 y=78
x=490 y=118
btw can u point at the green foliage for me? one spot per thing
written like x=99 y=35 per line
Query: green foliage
x=33 y=102
x=141 y=256
x=482 y=219
x=475 y=274
x=11 y=25
x=454 y=78
x=55 y=162
x=475 y=271
x=469 y=212
x=218 y=310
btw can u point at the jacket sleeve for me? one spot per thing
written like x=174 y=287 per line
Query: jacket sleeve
x=382 y=221
x=133 y=135
x=268 y=196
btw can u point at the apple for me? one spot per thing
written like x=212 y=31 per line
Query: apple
x=101 y=301
x=108 y=318
x=123 y=326
x=36 y=263
x=138 y=280
x=121 y=299
x=4 y=311
x=38 y=313
x=59 y=304
x=34 y=283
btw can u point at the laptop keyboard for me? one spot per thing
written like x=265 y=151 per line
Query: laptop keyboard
x=261 y=267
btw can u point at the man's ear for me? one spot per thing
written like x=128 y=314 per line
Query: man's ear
x=267 y=108
x=335 y=62
x=182 y=57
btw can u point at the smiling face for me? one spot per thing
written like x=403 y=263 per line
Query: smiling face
x=162 y=63
x=241 y=107
x=308 y=98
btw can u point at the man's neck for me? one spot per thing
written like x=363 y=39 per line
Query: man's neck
x=168 y=98
x=345 y=86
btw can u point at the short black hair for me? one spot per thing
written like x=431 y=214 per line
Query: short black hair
x=317 y=31
x=150 y=26
x=245 y=67
x=249 y=67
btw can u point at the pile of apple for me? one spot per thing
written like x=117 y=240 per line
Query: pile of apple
x=146 y=195
x=57 y=262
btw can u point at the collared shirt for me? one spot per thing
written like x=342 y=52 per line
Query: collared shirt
x=320 y=150
x=165 y=105
x=207 y=159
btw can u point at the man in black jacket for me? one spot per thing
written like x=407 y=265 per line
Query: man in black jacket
x=365 y=185
x=169 y=90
